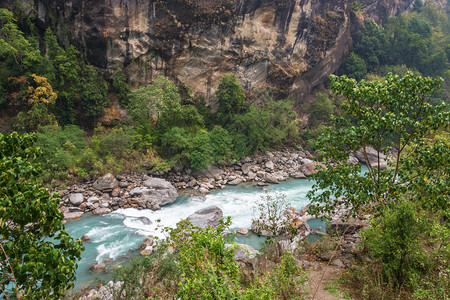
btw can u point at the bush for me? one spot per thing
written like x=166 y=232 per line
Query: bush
x=61 y=148
x=197 y=262
x=394 y=242
x=231 y=99
x=320 y=109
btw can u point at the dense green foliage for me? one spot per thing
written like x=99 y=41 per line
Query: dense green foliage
x=76 y=84
x=41 y=257
x=417 y=40
x=388 y=114
x=179 y=131
x=198 y=261
x=231 y=98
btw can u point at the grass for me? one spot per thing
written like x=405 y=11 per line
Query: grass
x=333 y=288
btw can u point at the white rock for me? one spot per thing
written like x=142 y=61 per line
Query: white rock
x=76 y=199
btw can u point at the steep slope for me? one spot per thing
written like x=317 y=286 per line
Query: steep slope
x=292 y=45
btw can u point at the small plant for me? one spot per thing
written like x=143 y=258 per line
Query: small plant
x=270 y=219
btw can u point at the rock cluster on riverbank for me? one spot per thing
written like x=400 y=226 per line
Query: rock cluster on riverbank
x=155 y=189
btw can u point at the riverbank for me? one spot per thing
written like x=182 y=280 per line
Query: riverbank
x=153 y=189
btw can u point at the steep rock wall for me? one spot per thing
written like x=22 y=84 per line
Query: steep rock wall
x=292 y=45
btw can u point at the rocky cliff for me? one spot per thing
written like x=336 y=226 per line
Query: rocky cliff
x=292 y=45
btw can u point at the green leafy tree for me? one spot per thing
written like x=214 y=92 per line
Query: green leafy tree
x=14 y=46
x=394 y=241
x=43 y=257
x=272 y=125
x=18 y=55
x=320 y=109
x=121 y=87
x=146 y=102
x=354 y=67
x=231 y=99
x=94 y=94
x=394 y=117
x=386 y=115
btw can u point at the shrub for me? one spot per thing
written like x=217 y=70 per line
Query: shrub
x=320 y=109
x=394 y=242
x=231 y=99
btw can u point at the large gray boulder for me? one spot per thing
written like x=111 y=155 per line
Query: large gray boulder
x=206 y=216
x=244 y=253
x=159 y=191
x=235 y=181
x=76 y=199
x=270 y=178
x=372 y=157
x=106 y=183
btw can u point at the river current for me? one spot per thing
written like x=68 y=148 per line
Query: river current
x=116 y=236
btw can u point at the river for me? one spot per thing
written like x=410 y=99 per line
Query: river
x=116 y=236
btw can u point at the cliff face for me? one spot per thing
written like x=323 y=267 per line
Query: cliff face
x=292 y=45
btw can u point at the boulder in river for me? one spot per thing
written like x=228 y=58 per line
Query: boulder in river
x=106 y=183
x=242 y=231
x=85 y=238
x=98 y=267
x=159 y=192
x=206 y=216
x=145 y=220
x=372 y=157
x=270 y=178
x=147 y=243
x=299 y=175
x=235 y=181
x=72 y=215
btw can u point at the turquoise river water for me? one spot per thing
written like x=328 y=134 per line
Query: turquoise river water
x=116 y=236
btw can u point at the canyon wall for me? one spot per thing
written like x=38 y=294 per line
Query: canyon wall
x=292 y=45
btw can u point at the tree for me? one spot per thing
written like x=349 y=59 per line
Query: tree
x=394 y=117
x=121 y=87
x=38 y=98
x=320 y=109
x=354 y=67
x=13 y=45
x=206 y=265
x=386 y=115
x=231 y=98
x=94 y=93
x=40 y=253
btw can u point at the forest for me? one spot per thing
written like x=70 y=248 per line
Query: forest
x=64 y=121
